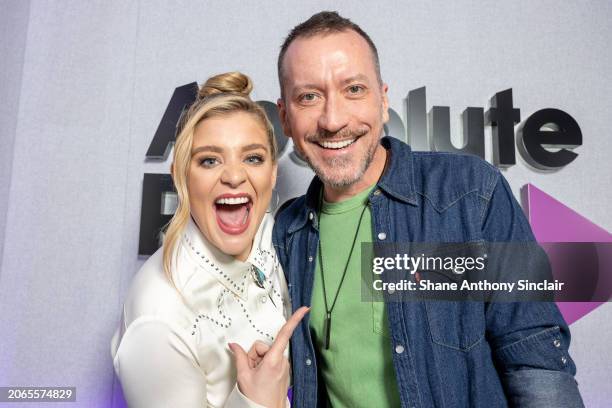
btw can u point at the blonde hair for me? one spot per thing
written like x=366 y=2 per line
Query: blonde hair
x=221 y=95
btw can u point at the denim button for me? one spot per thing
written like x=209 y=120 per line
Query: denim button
x=310 y=258
x=310 y=216
x=308 y=362
x=557 y=343
x=391 y=291
x=382 y=236
x=399 y=349
x=564 y=360
x=377 y=192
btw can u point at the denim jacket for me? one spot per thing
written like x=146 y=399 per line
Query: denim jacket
x=445 y=353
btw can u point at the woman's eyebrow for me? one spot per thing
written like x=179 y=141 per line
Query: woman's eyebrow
x=217 y=149
x=207 y=148
x=253 y=146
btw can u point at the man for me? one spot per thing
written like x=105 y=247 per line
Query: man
x=415 y=354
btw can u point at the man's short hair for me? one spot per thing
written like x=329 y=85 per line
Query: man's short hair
x=324 y=22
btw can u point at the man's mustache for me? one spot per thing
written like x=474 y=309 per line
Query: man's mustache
x=342 y=134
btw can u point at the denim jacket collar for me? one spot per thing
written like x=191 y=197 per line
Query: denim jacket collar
x=397 y=181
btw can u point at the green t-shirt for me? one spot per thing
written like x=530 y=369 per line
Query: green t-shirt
x=358 y=366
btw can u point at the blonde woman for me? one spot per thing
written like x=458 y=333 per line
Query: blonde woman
x=215 y=288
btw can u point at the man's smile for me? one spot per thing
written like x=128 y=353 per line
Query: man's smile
x=335 y=145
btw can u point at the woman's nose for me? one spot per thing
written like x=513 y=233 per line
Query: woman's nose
x=233 y=175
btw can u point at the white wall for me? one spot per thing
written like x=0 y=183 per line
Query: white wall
x=89 y=81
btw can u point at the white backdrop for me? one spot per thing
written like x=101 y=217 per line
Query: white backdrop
x=84 y=85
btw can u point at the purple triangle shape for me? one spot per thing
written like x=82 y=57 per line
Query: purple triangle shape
x=553 y=221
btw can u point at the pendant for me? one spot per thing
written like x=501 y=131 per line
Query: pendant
x=327 y=330
x=258 y=277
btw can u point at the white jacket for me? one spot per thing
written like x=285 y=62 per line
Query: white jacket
x=173 y=352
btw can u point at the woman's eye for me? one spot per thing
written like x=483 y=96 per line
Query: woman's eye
x=208 y=161
x=255 y=159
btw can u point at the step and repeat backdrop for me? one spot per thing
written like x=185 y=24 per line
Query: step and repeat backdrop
x=91 y=93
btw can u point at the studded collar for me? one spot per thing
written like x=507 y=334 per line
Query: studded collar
x=233 y=274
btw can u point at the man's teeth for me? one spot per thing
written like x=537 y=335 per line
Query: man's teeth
x=232 y=201
x=336 y=145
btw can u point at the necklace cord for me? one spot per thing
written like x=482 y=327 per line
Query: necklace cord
x=328 y=310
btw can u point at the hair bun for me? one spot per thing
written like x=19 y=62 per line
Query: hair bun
x=229 y=82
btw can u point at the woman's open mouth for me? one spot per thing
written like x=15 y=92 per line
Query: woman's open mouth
x=233 y=212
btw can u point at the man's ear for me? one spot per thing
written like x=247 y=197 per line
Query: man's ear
x=282 y=114
x=385 y=102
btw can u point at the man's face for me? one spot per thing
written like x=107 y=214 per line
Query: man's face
x=334 y=107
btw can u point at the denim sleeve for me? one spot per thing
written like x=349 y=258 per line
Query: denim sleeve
x=529 y=340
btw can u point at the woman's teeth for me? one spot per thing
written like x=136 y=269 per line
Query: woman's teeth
x=336 y=145
x=232 y=201
x=233 y=213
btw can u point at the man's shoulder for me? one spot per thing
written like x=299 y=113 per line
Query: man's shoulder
x=444 y=177
x=462 y=162
x=289 y=211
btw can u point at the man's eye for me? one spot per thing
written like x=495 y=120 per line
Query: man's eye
x=308 y=97
x=208 y=162
x=255 y=159
x=355 y=89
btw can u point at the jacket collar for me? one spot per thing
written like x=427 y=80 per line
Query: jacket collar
x=398 y=178
x=230 y=272
x=397 y=181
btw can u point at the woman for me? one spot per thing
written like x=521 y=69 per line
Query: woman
x=215 y=288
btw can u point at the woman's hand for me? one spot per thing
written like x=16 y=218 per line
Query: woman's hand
x=263 y=372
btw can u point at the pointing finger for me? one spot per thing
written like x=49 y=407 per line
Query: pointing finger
x=284 y=334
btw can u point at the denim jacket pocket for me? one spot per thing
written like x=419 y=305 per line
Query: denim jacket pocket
x=458 y=325
x=452 y=321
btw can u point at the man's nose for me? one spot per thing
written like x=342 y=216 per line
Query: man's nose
x=334 y=116
x=233 y=175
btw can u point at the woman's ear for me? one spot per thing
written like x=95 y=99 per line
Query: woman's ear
x=172 y=171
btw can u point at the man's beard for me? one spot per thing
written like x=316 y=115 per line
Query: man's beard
x=327 y=173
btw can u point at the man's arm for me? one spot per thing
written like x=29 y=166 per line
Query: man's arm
x=529 y=340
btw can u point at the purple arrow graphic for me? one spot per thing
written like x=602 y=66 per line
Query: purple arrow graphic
x=552 y=221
